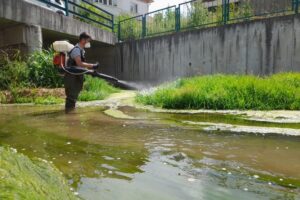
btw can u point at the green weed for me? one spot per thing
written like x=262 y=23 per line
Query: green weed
x=96 y=89
x=281 y=91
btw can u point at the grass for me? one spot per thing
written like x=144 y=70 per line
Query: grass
x=281 y=91
x=22 y=178
x=96 y=89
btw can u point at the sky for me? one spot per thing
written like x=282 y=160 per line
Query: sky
x=158 y=4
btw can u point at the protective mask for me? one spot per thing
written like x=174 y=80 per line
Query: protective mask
x=87 y=45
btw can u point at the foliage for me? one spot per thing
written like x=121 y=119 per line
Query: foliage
x=13 y=72
x=281 y=91
x=199 y=14
x=161 y=22
x=130 y=29
x=34 y=71
x=22 y=178
x=34 y=95
x=193 y=14
x=41 y=70
x=96 y=89
x=92 y=15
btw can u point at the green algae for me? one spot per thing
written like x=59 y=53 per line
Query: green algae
x=22 y=178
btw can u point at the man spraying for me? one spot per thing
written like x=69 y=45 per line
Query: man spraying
x=74 y=82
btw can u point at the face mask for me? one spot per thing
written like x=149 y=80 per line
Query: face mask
x=87 y=45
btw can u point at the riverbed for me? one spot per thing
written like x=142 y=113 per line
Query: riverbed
x=112 y=150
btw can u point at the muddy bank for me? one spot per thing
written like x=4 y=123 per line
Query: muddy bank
x=127 y=98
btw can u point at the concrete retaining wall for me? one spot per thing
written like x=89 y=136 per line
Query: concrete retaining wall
x=258 y=47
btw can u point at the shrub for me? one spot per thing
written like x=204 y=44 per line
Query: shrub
x=96 y=89
x=42 y=73
x=13 y=72
x=281 y=91
x=91 y=16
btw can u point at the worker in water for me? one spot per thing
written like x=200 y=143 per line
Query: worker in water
x=74 y=82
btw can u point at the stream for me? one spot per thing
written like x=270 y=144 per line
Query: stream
x=153 y=155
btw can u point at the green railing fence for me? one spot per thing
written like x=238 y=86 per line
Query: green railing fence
x=202 y=13
x=84 y=11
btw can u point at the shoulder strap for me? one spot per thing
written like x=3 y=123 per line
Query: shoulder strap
x=73 y=49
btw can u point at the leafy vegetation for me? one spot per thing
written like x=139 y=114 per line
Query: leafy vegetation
x=22 y=178
x=193 y=14
x=94 y=16
x=36 y=80
x=13 y=71
x=41 y=70
x=281 y=91
x=34 y=71
x=96 y=89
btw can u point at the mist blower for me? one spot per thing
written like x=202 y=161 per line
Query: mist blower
x=62 y=49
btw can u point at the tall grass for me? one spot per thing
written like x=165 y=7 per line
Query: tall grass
x=281 y=91
x=96 y=89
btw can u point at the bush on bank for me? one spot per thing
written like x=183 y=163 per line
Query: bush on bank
x=281 y=91
x=22 y=178
x=35 y=80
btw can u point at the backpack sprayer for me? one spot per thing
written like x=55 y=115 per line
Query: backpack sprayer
x=62 y=49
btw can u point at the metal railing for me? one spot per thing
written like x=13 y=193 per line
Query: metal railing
x=84 y=11
x=202 y=13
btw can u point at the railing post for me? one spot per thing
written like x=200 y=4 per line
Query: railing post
x=144 y=28
x=119 y=31
x=113 y=24
x=297 y=6
x=67 y=7
x=177 y=19
x=225 y=11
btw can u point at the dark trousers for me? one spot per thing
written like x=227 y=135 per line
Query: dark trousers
x=73 y=86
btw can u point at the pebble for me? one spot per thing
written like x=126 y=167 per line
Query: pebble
x=60 y=154
x=286 y=147
x=70 y=162
x=270 y=183
x=224 y=169
x=76 y=193
x=229 y=173
x=14 y=150
x=191 y=179
x=281 y=179
x=245 y=189
x=256 y=176
x=110 y=172
x=72 y=189
x=68 y=143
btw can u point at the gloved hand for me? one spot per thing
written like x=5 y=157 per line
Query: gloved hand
x=96 y=66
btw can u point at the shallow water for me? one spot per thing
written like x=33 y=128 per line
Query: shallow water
x=156 y=156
